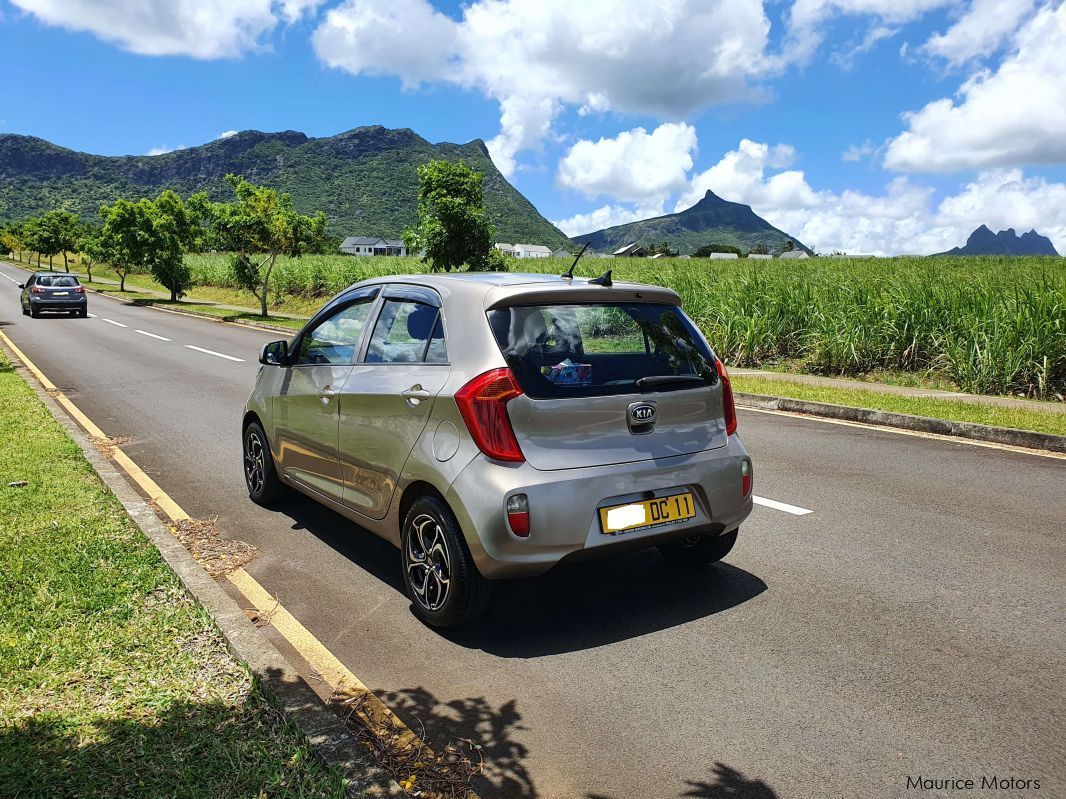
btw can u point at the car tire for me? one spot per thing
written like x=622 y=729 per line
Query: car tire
x=439 y=575
x=35 y=312
x=83 y=313
x=25 y=311
x=695 y=551
x=260 y=475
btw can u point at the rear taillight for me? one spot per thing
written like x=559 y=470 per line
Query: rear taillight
x=37 y=290
x=729 y=410
x=745 y=478
x=79 y=290
x=483 y=405
x=518 y=514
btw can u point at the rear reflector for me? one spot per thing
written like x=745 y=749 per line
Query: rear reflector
x=729 y=410
x=518 y=514
x=745 y=478
x=483 y=405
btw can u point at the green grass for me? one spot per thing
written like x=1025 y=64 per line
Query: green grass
x=113 y=683
x=1042 y=422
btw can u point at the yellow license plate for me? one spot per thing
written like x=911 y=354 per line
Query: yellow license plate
x=648 y=513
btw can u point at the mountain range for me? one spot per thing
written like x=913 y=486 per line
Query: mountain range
x=984 y=242
x=710 y=221
x=365 y=180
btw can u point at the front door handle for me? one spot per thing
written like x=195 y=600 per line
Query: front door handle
x=326 y=394
x=415 y=394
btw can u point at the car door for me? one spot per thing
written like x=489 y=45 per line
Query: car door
x=388 y=398
x=306 y=408
x=26 y=289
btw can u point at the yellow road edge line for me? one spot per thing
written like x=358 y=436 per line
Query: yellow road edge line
x=1040 y=453
x=48 y=384
x=334 y=673
x=135 y=472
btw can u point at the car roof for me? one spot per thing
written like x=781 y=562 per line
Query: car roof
x=56 y=274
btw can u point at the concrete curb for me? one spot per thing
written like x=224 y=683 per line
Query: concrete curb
x=922 y=424
x=296 y=701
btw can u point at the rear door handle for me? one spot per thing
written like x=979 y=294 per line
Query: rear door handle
x=415 y=394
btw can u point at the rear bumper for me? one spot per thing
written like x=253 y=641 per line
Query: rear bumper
x=65 y=304
x=564 y=506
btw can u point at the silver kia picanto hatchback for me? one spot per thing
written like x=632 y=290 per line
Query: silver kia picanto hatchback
x=493 y=425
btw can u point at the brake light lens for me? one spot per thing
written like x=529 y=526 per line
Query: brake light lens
x=729 y=410
x=483 y=405
x=37 y=290
x=745 y=478
x=79 y=289
x=518 y=514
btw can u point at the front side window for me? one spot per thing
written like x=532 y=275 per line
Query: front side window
x=334 y=341
x=597 y=349
x=408 y=332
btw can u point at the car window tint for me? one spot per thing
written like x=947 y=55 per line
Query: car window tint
x=597 y=349
x=335 y=340
x=57 y=281
x=407 y=332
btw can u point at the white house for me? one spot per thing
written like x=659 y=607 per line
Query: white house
x=531 y=251
x=759 y=256
x=794 y=254
x=630 y=251
x=503 y=247
x=562 y=252
x=366 y=245
x=722 y=256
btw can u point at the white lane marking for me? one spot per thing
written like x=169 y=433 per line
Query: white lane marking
x=92 y=316
x=113 y=322
x=212 y=352
x=8 y=277
x=151 y=335
x=795 y=510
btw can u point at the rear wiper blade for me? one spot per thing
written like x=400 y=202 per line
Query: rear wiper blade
x=653 y=381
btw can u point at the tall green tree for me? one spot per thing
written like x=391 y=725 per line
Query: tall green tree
x=453 y=228
x=11 y=242
x=170 y=232
x=92 y=248
x=258 y=226
x=122 y=237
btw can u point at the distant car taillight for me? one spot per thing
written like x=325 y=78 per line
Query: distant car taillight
x=745 y=478
x=729 y=410
x=483 y=405
x=518 y=514
x=37 y=290
x=79 y=290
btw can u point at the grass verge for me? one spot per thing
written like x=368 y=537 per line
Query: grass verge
x=112 y=681
x=994 y=415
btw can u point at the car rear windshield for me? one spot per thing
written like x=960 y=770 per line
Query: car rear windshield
x=596 y=349
x=57 y=281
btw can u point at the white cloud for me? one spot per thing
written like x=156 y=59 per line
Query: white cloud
x=1012 y=116
x=227 y=133
x=196 y=28
x=857 y=152
x=635 y=166
x=980 y=31
x=903 y=219
x=606 y=216
x=165 y=149
x=535 y=57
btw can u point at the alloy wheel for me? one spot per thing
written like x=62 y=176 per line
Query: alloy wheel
x=428 y=562
x=254 y=462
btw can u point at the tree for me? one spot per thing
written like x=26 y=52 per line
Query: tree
x=452 y=226
x=707 y=249
x=259 y=226
x=122 y=237
x=92 y=247
x=57 y=232
x=11 y=242
x=170 y=232
x=32 y=236
x=759 y=249
x=790 y=245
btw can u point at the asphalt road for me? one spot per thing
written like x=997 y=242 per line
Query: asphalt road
x=912 y=624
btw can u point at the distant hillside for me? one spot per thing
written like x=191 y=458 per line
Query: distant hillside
x=365 y=180
x=984 y=242
x=710 y=221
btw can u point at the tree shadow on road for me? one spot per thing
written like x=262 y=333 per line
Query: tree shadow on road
x=728 y=783
x=475 y=727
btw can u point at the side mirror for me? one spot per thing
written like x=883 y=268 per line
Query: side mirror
x=276 y=353
x=22 y=285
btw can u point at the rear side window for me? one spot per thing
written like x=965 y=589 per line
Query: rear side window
x=596 y=349
x=57 y=281
x=408 y=332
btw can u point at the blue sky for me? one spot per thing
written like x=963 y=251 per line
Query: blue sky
x=952 y=110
